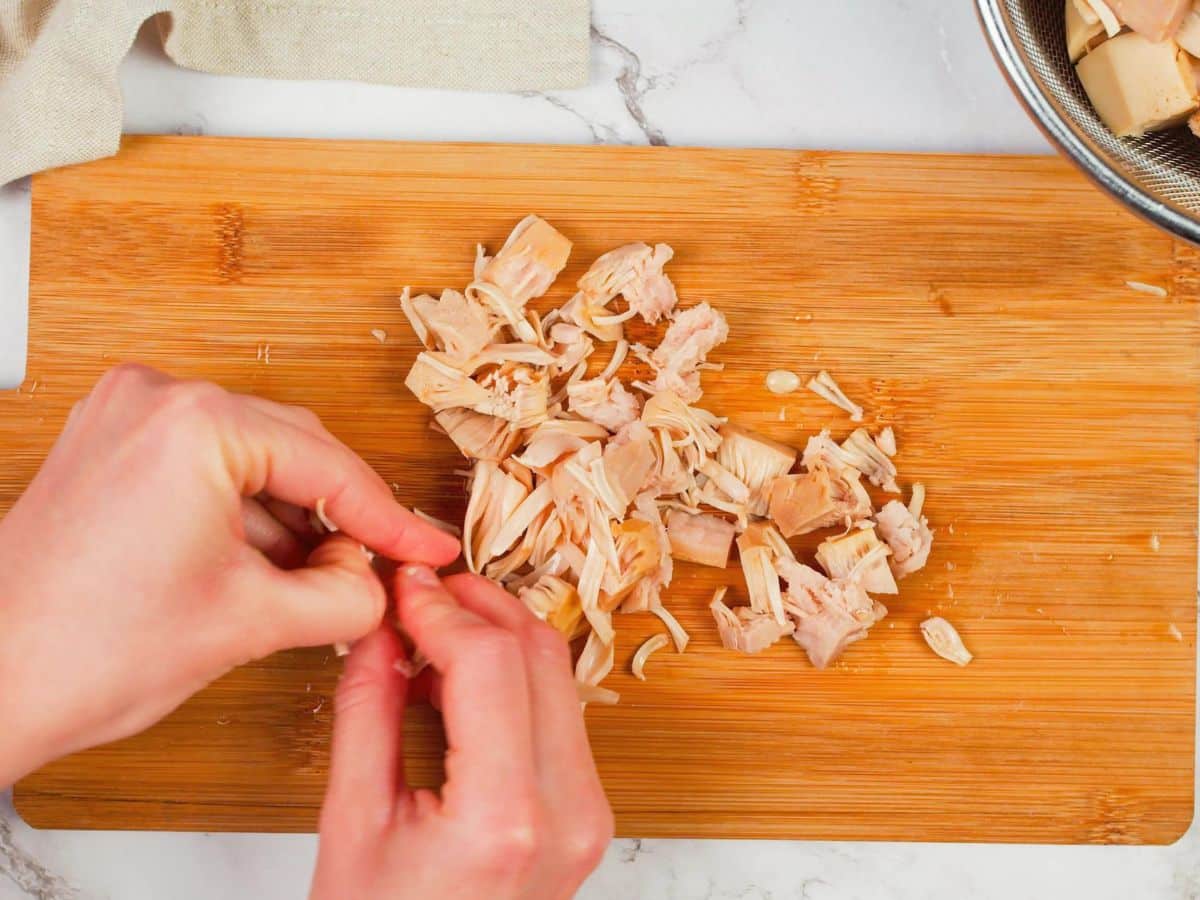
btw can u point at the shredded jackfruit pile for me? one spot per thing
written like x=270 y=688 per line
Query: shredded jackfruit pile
x=584 y=490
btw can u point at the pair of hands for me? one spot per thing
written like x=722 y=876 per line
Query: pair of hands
x=164 y=542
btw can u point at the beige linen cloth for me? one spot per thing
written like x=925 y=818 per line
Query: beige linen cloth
x=60 y=101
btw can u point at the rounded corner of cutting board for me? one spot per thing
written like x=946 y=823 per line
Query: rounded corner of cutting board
x=28 y=803
x=1173 y=832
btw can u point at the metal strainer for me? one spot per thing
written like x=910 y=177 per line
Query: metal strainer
x=1156 y=176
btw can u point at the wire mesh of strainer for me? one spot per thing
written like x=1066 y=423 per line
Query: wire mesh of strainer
x=1157 y=176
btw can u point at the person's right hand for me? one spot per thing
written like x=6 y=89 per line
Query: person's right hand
x=522 y=814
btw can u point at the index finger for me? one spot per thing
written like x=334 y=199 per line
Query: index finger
x=366 y=766
x=484 y=698
x=298 y=466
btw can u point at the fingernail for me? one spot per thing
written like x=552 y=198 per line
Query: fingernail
x=421 y=576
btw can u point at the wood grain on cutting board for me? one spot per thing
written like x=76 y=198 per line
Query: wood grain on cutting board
x=978 y=305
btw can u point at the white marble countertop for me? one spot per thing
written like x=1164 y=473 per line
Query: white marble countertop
x=872 y=75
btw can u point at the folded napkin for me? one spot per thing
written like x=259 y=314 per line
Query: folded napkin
x=60 y=101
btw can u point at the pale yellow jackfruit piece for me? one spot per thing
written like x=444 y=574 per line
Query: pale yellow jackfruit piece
x=1136 y=85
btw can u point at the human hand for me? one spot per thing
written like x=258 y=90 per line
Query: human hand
x=131 y=574
x=522 y=813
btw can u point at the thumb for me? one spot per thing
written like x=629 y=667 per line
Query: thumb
x=335 y=598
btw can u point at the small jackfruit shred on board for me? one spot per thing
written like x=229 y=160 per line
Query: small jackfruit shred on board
x=584 y=487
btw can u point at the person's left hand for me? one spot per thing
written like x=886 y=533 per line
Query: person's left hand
x=136 y=570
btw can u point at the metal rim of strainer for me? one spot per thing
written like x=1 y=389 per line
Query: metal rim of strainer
x=1013 y=55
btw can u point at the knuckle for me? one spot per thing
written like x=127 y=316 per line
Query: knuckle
x=496 y=647
x=399 y=534
x=343 y=555
x=306 y=416
x=344 y=571
x=335 y=496
x=354 y=690
x=513 y=847
x=189 y=397
x=122 y=383
x=184 y=406
x=547 y=645
x=124 y=376
x=589 y=835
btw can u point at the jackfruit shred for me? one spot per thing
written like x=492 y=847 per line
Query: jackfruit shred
x=581 y=490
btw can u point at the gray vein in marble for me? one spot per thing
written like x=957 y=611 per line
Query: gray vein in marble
x=1186 y=880
x=631 y=850
x=754 y=893
x=19 y=866
x=601 y=133
x=715 y=47
x=632 y=85
x=963 y=85
x=198 y=125
x=635 y=83
x=944 y=50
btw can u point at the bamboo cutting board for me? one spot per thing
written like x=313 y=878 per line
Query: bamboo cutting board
x=978 y=305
